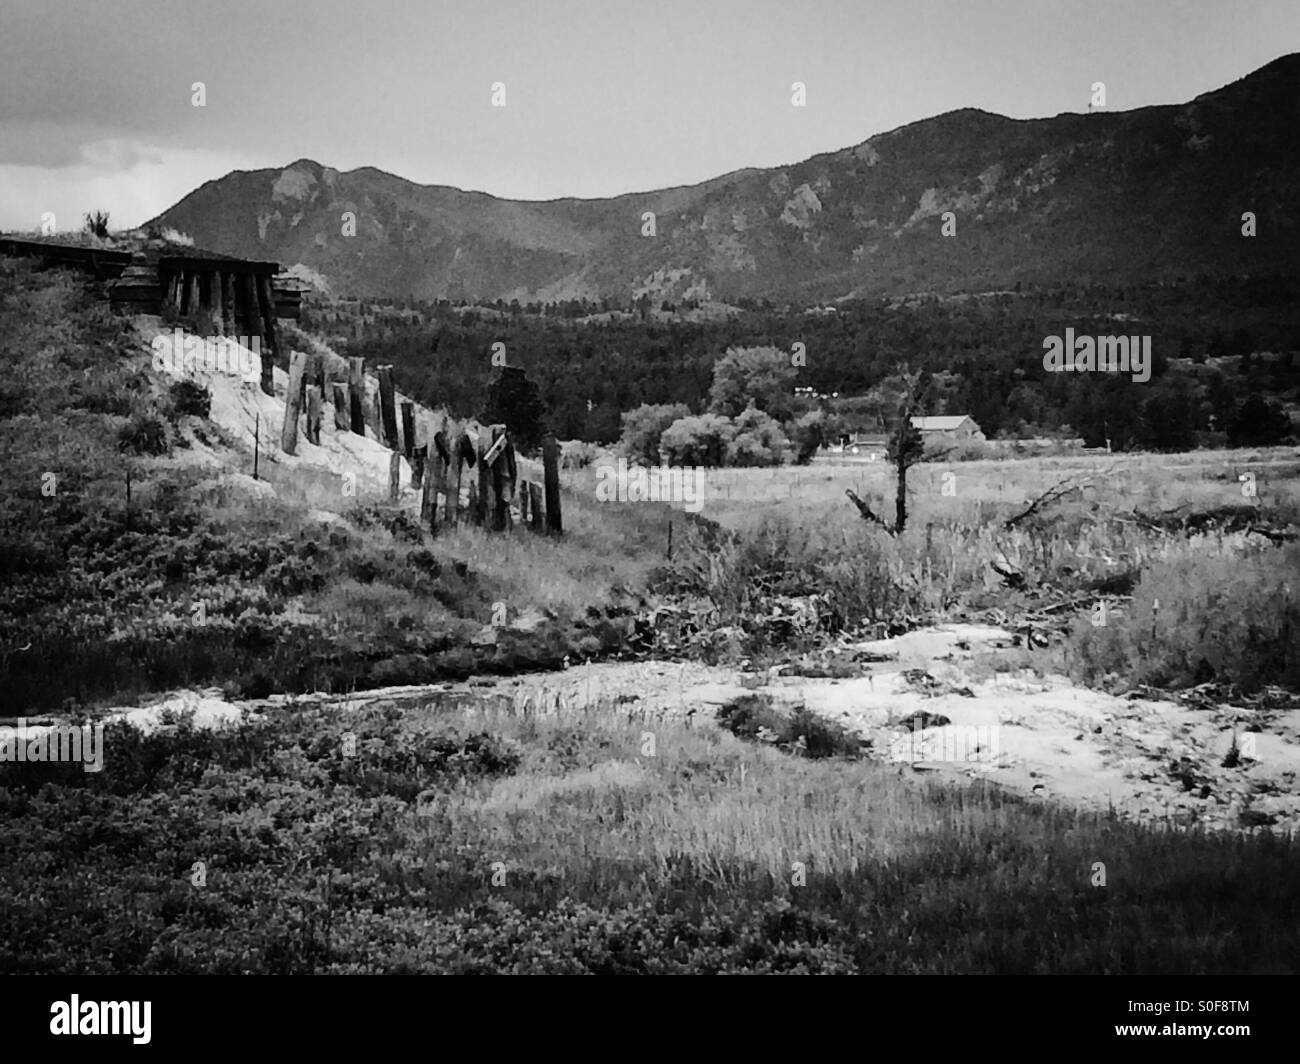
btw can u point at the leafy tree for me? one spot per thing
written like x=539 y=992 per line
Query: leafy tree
x=809 y=433
x=758 y=441
x=643 y=427
x=762 y=376
x=698 y=441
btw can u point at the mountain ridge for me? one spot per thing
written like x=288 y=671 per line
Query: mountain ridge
x=1148 y=194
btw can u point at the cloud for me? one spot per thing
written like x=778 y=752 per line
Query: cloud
x=132 y=180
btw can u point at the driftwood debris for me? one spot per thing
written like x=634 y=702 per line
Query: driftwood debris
x=1054 y=494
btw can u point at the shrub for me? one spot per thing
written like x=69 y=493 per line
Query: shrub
x=190 y=398
x=800 y=730
x=644 y=427
x=759 y=441
x=143 y=434
x=808 y=434
x=697 y=441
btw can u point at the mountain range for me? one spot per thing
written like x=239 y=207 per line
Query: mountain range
x=1130 y=197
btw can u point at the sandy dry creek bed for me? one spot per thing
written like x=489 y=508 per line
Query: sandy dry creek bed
x=918 y=705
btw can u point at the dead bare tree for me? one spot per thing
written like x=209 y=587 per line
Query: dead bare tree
x=905 y=449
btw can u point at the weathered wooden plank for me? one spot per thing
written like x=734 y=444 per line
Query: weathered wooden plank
x=485 y=513
x=313 y=414
x=452 y=462
x=535 y=511
x=499 y=474
x=216 y=298
x=551 y=473
x=341 y=406
x=408 y=429
x=387 y=409
x=394 y=476
x=289 y=431
x=270 y=332
x=357 y=394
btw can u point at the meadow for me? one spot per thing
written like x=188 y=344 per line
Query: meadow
x=468 y=836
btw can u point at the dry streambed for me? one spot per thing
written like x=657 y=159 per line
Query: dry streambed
x=917 y=704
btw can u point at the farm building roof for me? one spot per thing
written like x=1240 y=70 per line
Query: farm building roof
x=940 y=423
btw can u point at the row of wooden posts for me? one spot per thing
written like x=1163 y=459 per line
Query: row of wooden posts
x=437 y=463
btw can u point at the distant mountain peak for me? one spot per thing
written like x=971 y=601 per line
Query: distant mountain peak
x=1120 y=196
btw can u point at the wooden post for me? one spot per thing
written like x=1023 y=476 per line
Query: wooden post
x=498 y=474
x=387 y=411
x=377 y=416
x=174 y=293
x=523 y=502
x=313 y=414
x=484 y=513
x=270 y=332
x=289 y=432
x=216 y=300
x=551 y=470
x=192 y=294
x=257 y=440
x=452 y=461
x=340 y=406
x=357 y=394
x=417 y=465
x=394 y=476
x=435 y=480
x=229 y=324
x=408 y=429
x=535 y=513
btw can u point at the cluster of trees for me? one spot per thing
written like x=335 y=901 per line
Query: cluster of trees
x=751 y=420
x=984 y=354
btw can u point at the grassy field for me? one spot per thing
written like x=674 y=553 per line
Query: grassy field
x=465 y=836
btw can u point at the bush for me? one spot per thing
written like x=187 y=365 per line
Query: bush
x=1226 y=617
x=644 y=427
x=759 y=441
x=802 y=731
x=808 y=434
x=143 y=434
x=190 y=398
x=697 y=441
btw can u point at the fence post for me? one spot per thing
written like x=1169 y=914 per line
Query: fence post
x=523 y=502
x=451 y=441
x=551 y=470
x=408 y=429
x=535 y=506
x=484 y=513
x=289 y=431
x=357 y=394
x=341 y=406
x=499 y=473
x=387 y=411
x=313 y=414
x=429 y=490
x=394 y=476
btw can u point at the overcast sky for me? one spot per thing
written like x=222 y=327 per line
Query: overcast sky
x=602 y=96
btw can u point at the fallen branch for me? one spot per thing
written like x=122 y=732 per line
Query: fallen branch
x=1053 y=494
x=866 y=511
